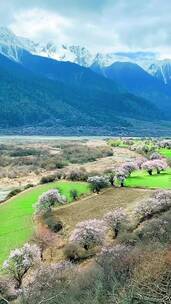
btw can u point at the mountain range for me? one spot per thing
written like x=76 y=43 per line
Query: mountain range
x=69 y=90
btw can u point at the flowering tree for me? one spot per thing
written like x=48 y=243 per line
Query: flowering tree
x=149 y=166
x=129 y=167
x=114 y=258
x=115 y=219
x=89 y=233
x=164 y=196
x=121 y=175
x=21 y=260
x=98 y=182
x=159 y=202
x=159 y=165
x=140 y=161
x=165 y=144
x=115 y=252
x=48 y=200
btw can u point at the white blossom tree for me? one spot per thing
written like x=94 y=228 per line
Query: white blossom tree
x=20 y=261
x=98 y=182
x=48 y=200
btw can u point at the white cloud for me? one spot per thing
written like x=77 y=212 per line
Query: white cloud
x=39 y=24
x=99 y=24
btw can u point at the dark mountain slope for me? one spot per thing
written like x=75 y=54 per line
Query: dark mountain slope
x=67 y=72
x=101 y=92
x=28 y=98
x=139 y=82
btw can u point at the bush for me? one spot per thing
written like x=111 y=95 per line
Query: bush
x=14 y=192
x=74 y=252
x=74 y=194
x=54 y=224
x=48 y=179
x=28 y=186
x=155 y=155
x=77 y=175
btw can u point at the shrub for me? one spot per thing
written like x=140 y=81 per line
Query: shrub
x=115 y=220
x=48 y=179
x=98 y=182
x=48 y=200
x=20 y=261
x=50 y=284
x=155 y=155
x=89 y=233
x=168 y=160
x=74 y=252
x=54 y=224
x=74 y=194
x=14 y=192
x=28 y=186
x=77 y=175
x=112 y=178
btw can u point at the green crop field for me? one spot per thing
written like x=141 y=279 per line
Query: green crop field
x=16 y=214
x=143 y=180
x=165 y=152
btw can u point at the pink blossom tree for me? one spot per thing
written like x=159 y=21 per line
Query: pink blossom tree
x=129 y=167
x=115 y=219
x=149 y=166
x=89 y=233
x=159 y=202
x=121 y=175
x=160 y=165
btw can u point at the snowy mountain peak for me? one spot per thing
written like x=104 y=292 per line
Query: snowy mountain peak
x=162 y=70
x=11 y=46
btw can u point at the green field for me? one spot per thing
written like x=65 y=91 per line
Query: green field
x=143 y=180
x=165 y=152
x=16 y=214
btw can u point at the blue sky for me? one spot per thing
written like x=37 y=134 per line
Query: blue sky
x=101 y=25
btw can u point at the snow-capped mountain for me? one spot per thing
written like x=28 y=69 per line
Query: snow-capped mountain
x=11 y=46
x=162 y=70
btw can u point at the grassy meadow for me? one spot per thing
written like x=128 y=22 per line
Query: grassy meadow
x=16 y=215
x=141 y=179
x=165 y=152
